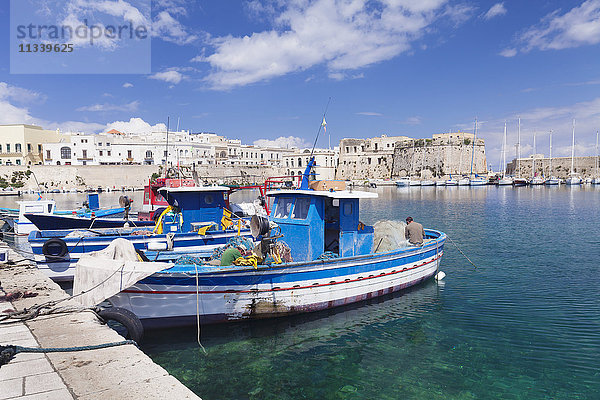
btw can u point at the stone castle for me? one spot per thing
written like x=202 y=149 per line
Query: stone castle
x=391 y=157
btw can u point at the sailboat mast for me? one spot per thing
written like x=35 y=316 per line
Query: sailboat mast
x=550 y=152
x=573 y=149
x=519 y=150
x=534 y=151
x=504 y=153
x=473 y=148
x=597 y=132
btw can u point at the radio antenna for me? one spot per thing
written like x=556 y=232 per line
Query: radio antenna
x=322 y=125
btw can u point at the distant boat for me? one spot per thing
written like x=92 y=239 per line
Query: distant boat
x=536 y=180
x=403 y=182
x=504 y=180
x=520 y=182
x=552 y=181
x=451 y=182
x=478 y=181
x=414 y=182
x=573 y=178
x=440 y=183
x=427 y=182
x=596 y=180
x=464 y=182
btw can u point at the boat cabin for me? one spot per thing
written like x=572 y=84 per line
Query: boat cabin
x=199 y=206
x=314 y=222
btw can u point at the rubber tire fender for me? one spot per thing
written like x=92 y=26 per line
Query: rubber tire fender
x=135 y=329
x=55 y=242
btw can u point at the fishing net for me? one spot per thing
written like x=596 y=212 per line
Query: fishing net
x=388 y=236
x=235 y=242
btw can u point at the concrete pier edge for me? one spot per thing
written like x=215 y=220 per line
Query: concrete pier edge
x=122 y=372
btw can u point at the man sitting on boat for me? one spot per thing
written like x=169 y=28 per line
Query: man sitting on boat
x=414 y=232
x=233 y=253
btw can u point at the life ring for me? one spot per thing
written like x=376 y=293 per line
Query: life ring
x=130 y=321
x=55 y=247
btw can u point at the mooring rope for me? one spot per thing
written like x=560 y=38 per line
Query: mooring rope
x=7 y=352
x=198 y=311
x=461 y=252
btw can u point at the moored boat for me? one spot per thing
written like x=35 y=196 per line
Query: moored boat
x=336 y=261
x=403 y=182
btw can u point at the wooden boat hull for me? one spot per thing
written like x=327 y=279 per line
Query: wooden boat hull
x=223 y=294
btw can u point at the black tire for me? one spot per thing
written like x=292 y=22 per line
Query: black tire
x=55 y=247
x=135 y=330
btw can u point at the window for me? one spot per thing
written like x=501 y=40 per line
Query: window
x=148 y=154
x=108 y=153
x=100 y=152
x=108 y=144
x=284 y=206
x=8 y=147
x=299 y=162
x=39 y=148
x=48 y=154
x=348 y=209
x=84 y=154
x=29 y=147
x=100 y=144
x=0 y=148
x=208 y=199
x=18 y=162
x=18 y=147
x=301 y=208
x=65 y=153
x=128 y=153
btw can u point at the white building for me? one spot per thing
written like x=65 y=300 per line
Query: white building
x=327 y=161
x=22 y=144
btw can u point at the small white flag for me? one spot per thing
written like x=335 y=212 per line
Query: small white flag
x=324 y=125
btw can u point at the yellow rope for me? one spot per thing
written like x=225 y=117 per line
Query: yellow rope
x=158 y=228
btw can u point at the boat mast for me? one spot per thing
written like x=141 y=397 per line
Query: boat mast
x=504 y=153
x=473 y=148
x=534 y=151
x=519 y=150
x=597 y=153
x=462 y=142
x=551 y=153
x=573 y=149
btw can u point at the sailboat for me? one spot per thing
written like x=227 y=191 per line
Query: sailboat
x=504 y=180
x=552 y=180
x=596 y=180
x=518 y=181
x=535 y=180
x=573 y=178
x=475 y=180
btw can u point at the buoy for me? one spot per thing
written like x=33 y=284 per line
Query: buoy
x=440 y=275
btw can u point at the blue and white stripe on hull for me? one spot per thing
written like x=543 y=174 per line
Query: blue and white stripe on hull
x=229 y=294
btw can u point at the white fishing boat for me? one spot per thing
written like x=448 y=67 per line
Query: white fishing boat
x=573 y=179
x=333 y=260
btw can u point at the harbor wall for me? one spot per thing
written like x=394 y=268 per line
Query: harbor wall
x=559 y=167
x=73 y=176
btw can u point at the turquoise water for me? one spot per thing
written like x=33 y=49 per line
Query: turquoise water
x=524 y=324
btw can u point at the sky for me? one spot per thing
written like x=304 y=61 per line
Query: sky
x=264 y=71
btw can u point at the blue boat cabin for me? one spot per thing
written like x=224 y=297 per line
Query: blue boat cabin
x=314 y=222
x=199 y=206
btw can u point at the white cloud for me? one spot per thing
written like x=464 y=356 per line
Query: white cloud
x=130 y=107
x=170 y=76
x=578 y=27
x=135 y=125
x=416 y=120
x=343 y=35
x=20 y=95
x=166 y=27
x=283 y=142
x=127 y=85
x=495 y=11
x=370 y=113
x=508 y=53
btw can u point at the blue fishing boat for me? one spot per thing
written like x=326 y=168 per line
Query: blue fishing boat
x=314 y=253
x=197 y=221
